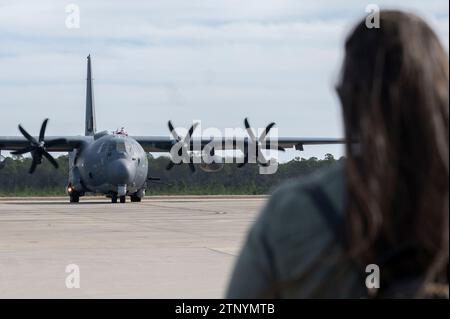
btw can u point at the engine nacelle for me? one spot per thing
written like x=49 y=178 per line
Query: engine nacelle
x=215 y=166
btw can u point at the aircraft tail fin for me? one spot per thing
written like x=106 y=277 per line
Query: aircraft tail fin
x=90 y=107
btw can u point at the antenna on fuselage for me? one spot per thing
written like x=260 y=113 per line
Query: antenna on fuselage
x=90 y=107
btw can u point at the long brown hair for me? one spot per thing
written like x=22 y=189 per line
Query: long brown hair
x=395 y=103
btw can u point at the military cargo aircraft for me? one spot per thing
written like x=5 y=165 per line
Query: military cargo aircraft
x=115 y=164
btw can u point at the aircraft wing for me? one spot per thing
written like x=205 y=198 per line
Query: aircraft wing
x=298 y=143
x=64 y=143
x=155 y=143
x=164 y=144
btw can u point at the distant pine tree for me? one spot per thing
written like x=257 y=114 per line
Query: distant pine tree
x=15 y=180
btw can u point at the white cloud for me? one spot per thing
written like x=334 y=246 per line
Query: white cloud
x=218 y=61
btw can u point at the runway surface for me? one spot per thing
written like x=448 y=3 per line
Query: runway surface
x=180 y=247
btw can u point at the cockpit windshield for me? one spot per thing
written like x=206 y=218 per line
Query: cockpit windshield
x=120 y=147
x=116 y=146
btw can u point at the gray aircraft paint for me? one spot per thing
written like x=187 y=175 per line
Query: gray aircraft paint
x=108 y=162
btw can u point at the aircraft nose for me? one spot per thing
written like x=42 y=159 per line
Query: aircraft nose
x=120 y=172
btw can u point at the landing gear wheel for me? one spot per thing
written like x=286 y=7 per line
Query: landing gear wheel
x=122 y=199
x=135 y=199
x=74 y=197
x=114 y=199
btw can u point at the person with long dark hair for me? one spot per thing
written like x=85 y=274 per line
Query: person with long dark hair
x=387 y=204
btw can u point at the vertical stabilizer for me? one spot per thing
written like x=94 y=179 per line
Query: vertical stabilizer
x=90 y=108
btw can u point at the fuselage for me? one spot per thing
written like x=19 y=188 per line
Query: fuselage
x=111 y=164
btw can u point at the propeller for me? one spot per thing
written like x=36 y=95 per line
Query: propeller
x=38 y=148
x=260 y=144
x=183 y=151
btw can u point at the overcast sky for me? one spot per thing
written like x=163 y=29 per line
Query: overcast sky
x=214 y=61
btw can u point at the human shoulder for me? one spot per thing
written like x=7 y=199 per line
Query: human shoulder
x=291 y=209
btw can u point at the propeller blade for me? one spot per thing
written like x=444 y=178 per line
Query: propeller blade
x=42 y=131
x=57 y=141
x=185 y=145
x=266 y=131
x=261 y=159
x=173 y=132
x=249 y=130
x=51 y=159
x=170 y=166
x=23 y=150
x=193 y=127
x=244 y=162
x=246 y=123
x=33 y=167
x=187 y=139
x=30 y=138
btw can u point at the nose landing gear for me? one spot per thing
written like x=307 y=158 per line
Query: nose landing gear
x=114 y=197
x=122 y=193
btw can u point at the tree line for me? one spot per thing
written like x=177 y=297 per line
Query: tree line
x=16 y=181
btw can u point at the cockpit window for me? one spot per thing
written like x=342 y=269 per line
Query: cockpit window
x=133 y=149
x=100 y=148
x=106 y=147
x=120 y=147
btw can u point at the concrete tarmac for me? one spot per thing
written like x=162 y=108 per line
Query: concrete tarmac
x=164 y=247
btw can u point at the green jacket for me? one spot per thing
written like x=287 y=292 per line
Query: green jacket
x=292 y=250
